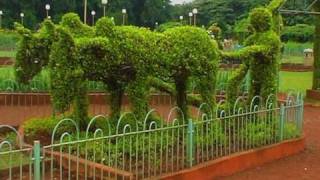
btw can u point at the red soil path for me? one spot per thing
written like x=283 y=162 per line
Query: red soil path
x=303 y=166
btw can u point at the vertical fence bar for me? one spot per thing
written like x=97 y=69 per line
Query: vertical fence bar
x=190 y=143
x=282 y=116
x=300 y=125
x=37 y=160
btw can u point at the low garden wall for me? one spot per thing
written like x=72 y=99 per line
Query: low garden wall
x=15 y=108
x=229 y=165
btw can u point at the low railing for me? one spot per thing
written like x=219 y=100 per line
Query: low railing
x=140 y=149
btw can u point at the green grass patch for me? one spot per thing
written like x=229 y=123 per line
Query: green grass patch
x=8 y=40
x=293 y=52
x=295 y=81
x=295 y=59
x=11 y=54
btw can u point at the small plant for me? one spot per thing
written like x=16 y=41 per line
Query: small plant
x=290 y=131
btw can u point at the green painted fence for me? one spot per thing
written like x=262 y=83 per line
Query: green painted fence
x=143 y=149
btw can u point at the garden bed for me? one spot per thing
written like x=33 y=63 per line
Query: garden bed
x=238 y=162
x=6 y=61
x=292 y=67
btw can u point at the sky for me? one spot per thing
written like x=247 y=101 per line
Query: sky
x=179 y=1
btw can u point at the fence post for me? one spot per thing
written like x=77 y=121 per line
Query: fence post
x=37 y=160
x=282 y=116
x=190 y=143
x=300 y=125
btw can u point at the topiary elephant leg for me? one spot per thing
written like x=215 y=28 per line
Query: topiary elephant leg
x=234 y=84
x=115 y=101
x=137 y=92
x=181 y=97
x=81 y=106
x=207 y=86
x=67 y=83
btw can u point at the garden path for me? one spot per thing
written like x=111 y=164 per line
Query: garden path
x=303 y=166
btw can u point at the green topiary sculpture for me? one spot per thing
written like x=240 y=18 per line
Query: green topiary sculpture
x=261 y=58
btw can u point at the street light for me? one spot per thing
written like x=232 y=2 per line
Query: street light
x=104 y=3
x=47 y=9
x=1 y=13
x=22 y=16
x=195 y=12
x=157 y=24
x=181 y=19
x=85 y=11
x=190 y=18
x=124 y=13
x=93 y=13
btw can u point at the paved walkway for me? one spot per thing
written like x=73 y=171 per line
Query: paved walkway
x=303 y=166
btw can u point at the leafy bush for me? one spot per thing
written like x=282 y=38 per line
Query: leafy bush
x=42 y=129
x=257 y=133
x=298 y=33
x=211 y=134
x=291 y=131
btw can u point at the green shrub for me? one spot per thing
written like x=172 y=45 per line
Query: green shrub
x=211 y=134
x=42 y=129
x=256 y=134
x=298 y=33
x=291 y=131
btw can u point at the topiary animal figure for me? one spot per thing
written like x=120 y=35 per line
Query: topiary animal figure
x=124 y=58
x=261 y=58
x=191 y=53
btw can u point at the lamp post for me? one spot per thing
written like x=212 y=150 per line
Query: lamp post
x=1 y=13
x=22 y=16
x=190 y=18
x=181 y=19
x=104 y=4
x=93 y=13
x=85 y=11
x=47 y=9
x=195 y=12
x=124 y=13
x=157 y=24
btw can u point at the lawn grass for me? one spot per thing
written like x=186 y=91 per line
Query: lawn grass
x=295 y=81
x=293 y=52
x=295 y=59
x=11 y=54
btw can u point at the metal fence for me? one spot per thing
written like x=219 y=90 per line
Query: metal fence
x=143 y=149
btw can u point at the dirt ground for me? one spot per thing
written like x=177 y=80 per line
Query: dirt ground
x=303 y=166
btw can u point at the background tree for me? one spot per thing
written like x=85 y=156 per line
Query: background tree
x=316 y=73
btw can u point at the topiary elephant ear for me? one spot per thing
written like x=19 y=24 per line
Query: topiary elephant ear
x=105 y=27
x=33 y=51
x=74 y=25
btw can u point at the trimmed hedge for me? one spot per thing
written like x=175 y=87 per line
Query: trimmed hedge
x=299 y=33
